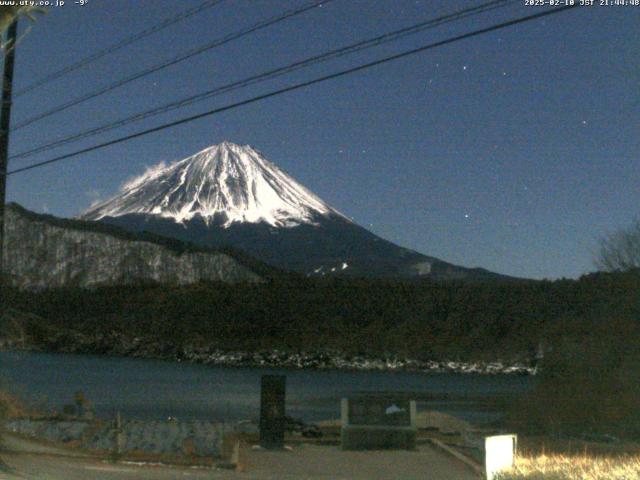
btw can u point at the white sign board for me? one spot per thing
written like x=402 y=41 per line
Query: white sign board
x=499 y=453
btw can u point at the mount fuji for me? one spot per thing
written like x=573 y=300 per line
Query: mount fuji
x=230 y=195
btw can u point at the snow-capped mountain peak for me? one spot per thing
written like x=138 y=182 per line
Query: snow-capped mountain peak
x=226 y=182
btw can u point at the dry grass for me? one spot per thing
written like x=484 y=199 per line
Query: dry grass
x=536 y=445
x=574 y=467
x=10 y=406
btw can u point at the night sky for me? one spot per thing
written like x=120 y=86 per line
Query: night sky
x=513 y=151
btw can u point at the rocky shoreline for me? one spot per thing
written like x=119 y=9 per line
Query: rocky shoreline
x=118 y=345
x=283 y=359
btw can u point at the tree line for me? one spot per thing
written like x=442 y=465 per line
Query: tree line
x=418 y=319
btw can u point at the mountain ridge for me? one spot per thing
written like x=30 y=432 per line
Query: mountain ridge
x=43 y=251
x=225 y=183
x=230 y=195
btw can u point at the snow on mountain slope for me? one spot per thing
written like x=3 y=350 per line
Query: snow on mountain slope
x=227 y=183
x=230 y=196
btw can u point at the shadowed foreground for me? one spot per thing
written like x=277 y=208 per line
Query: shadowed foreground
x=303 y=462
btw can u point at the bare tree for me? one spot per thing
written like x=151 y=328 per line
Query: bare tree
x=620 y=250
x=7 y=16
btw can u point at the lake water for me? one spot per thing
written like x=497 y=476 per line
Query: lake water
x=155 y=389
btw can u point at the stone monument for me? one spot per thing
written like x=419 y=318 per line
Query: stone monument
x=378 y=422
x=272 y=405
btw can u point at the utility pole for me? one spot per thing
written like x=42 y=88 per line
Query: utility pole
x=5 y=120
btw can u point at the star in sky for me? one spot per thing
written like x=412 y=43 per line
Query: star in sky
x=455 y=130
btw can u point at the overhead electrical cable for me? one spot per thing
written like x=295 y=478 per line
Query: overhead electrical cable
x=332 y=54
x=175 y=60
x=298 y=86
x=125 y=42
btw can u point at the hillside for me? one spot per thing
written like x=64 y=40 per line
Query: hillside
x=230 y=195
x=43 y=251
x=422 y=320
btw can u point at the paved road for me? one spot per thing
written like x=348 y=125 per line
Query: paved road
x=331 y=463
x=45 y=467
x=308 y=462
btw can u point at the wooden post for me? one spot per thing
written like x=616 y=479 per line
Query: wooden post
x=119 y=440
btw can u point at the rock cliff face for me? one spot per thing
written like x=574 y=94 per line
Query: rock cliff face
x=46 y=252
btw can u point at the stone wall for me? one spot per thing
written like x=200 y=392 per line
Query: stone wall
x=193 y=438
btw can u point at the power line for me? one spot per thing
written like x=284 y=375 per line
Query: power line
x=167 y=22
x=180 y=58
x=332 y=54
x=298 y=86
